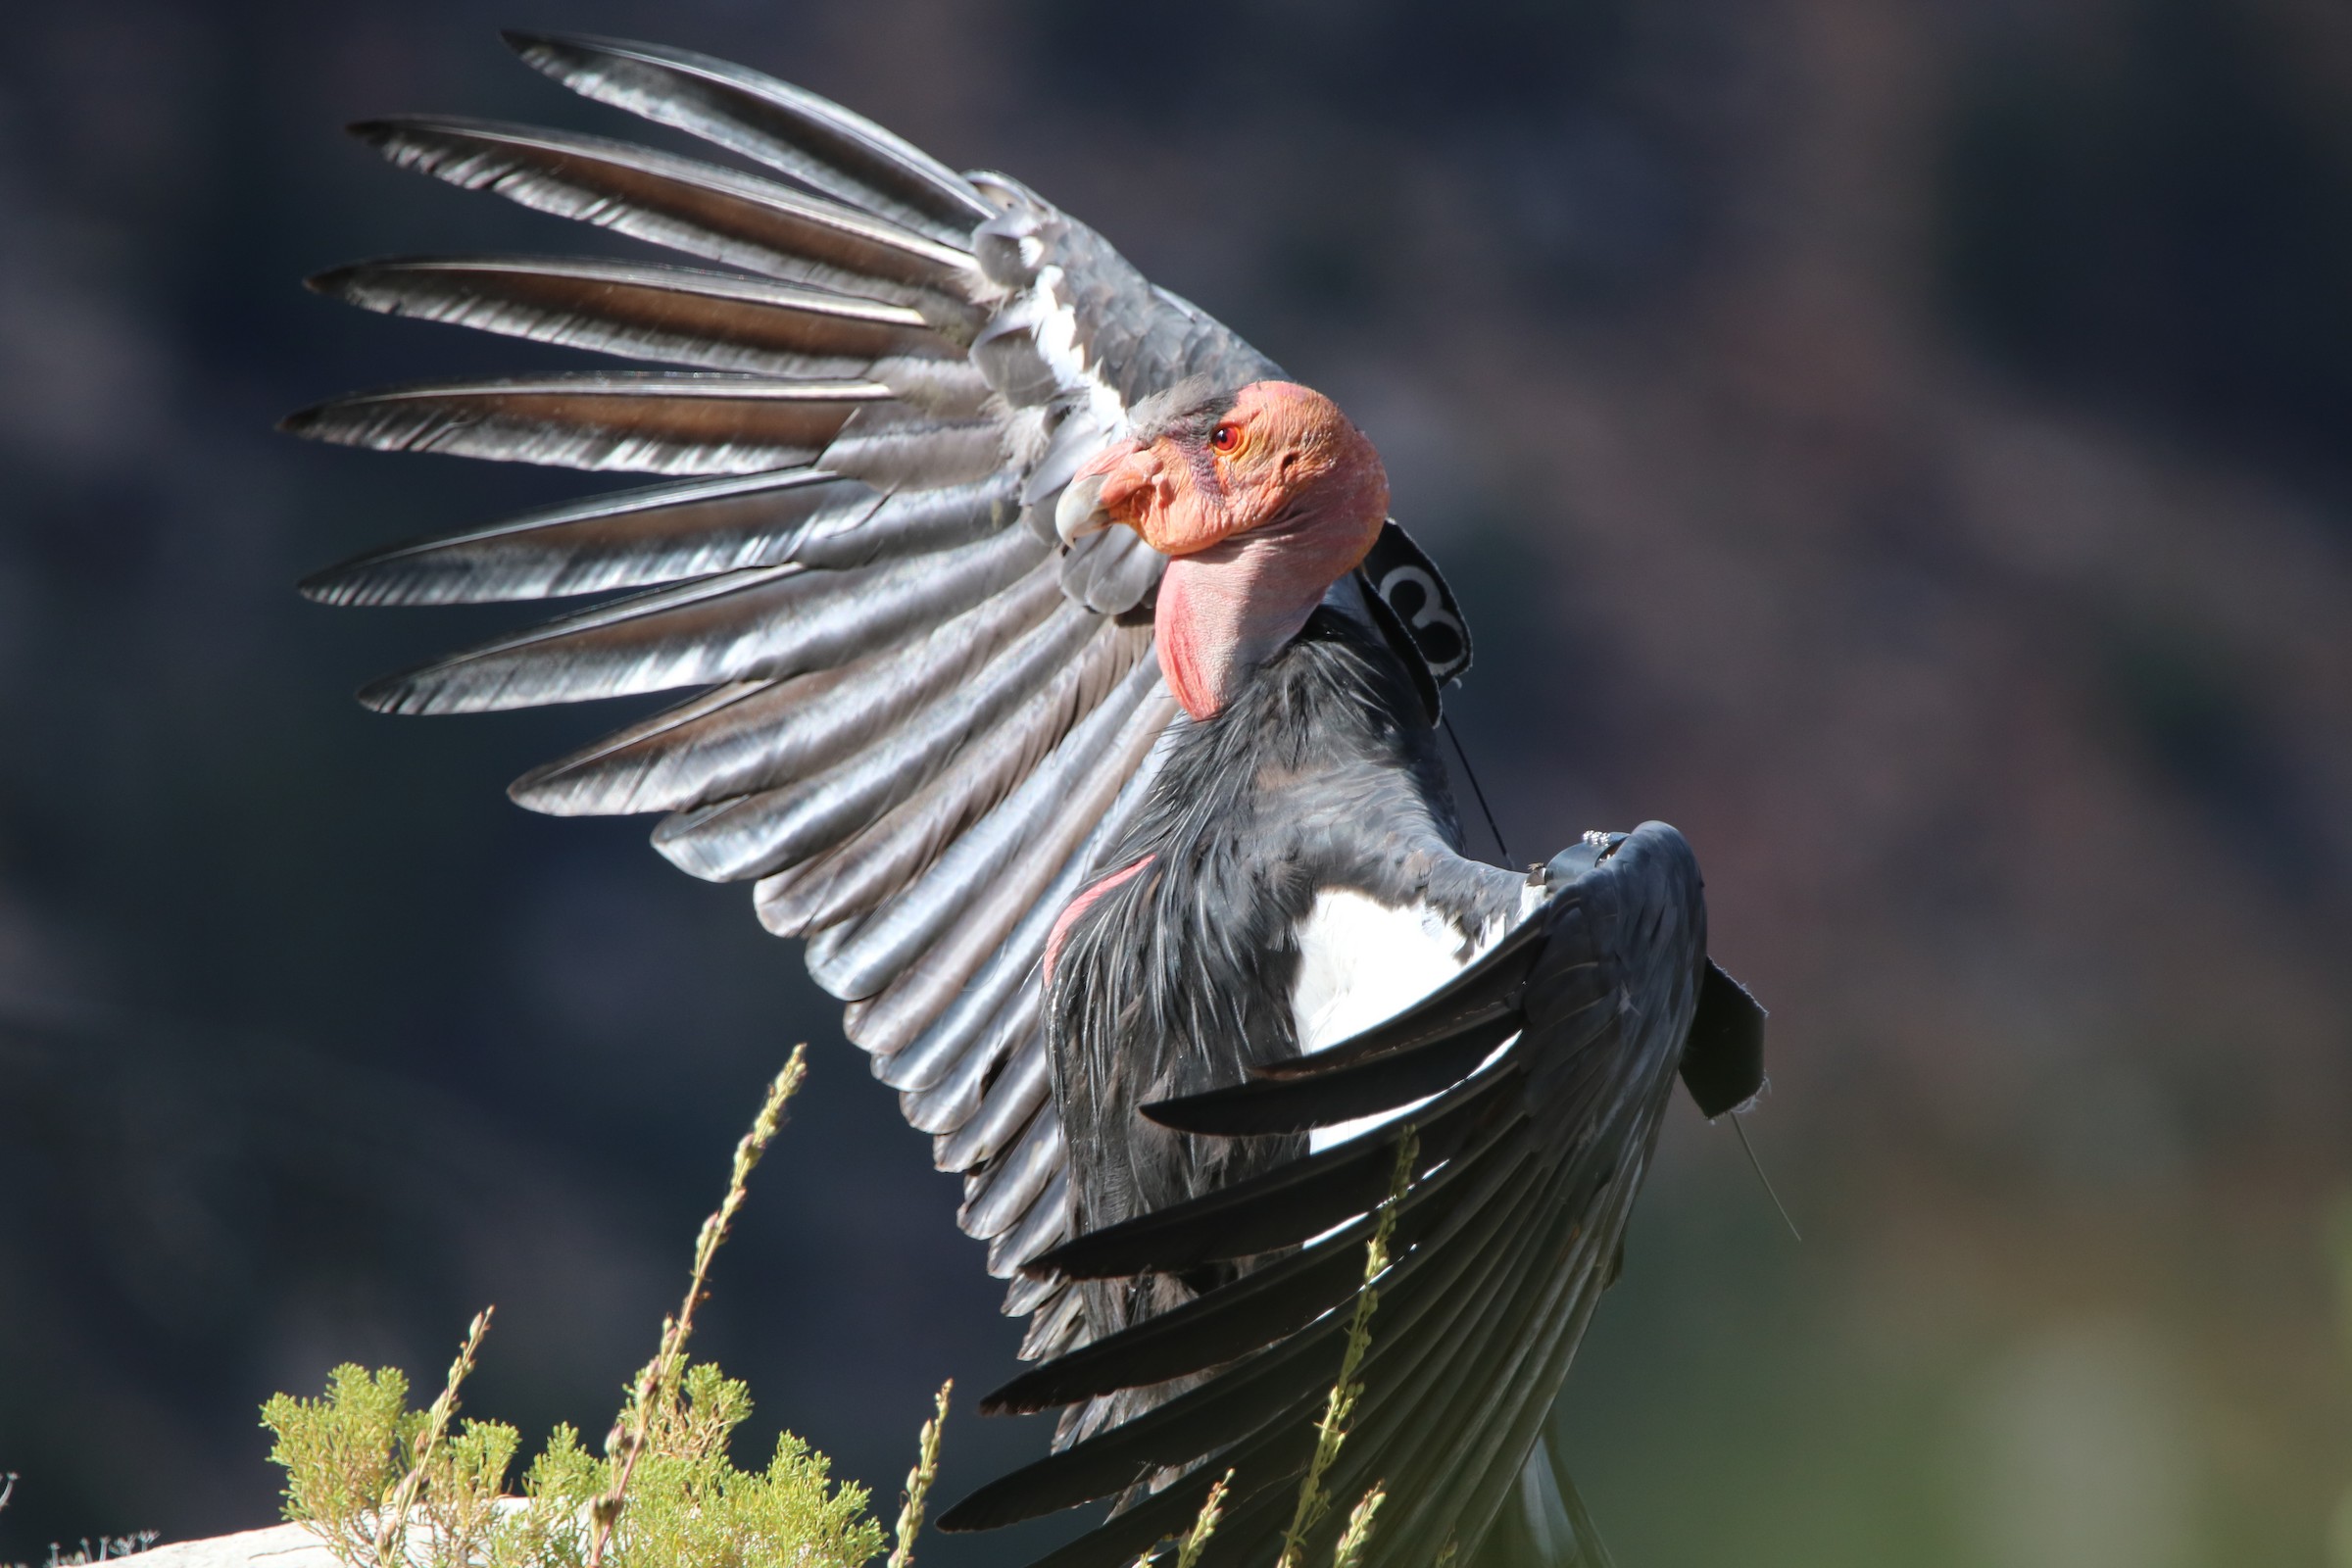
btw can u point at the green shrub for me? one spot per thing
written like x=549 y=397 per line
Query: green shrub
x=348 y=1458
x=688 y=1505
x=387 y=1487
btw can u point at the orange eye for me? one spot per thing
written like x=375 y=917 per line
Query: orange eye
x=1225 y=437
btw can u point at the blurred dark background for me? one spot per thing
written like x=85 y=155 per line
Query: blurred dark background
x=1905 y=445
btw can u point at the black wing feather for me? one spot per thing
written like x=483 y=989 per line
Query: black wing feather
x=1488 y=1294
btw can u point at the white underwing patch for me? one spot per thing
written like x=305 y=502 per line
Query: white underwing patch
x=1360 y=963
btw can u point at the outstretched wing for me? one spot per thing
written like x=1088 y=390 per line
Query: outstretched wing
x=1550 y=1059
x=912 y=719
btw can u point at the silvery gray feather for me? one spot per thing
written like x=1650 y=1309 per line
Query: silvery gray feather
x=679 y=316
x=631 y=423
x=684 y=205
x=815 y=141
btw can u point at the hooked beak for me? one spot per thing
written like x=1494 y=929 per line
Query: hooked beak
x=1080 y=511
x=1107 y=485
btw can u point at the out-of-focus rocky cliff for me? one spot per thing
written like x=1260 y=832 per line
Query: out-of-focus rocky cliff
x=1909 y=447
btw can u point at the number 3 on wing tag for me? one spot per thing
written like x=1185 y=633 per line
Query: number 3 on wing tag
x=1408 y=583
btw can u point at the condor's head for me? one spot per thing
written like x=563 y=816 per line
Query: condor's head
x=1262 y=498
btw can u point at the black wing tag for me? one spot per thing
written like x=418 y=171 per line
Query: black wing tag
x=1723 y=1060
x=1408 y=582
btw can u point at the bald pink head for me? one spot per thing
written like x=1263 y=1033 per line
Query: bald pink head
x=1264 y=499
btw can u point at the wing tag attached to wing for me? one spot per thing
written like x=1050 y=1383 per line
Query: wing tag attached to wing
x=1723 y=1060
x=1408 y=582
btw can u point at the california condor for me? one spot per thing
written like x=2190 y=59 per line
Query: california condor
x=1059 y=675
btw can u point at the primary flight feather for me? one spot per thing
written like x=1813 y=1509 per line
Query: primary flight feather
x=1058 y=672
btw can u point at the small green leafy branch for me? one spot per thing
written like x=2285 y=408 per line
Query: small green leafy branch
x=385 y=1487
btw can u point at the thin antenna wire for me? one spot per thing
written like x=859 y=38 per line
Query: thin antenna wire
x=1471 y=774
x=1758 y=1166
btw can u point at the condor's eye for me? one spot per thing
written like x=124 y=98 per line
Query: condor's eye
x=1225 y=437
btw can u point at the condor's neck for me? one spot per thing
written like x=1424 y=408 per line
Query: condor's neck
x=1323 y=763
x=1225 y=611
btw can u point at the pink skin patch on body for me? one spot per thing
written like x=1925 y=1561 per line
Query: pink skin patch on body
x=1079 y=905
